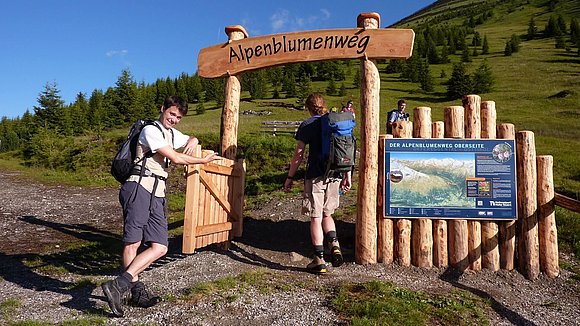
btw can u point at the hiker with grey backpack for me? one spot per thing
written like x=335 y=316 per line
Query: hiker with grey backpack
x=142 y=166
x=330 y=162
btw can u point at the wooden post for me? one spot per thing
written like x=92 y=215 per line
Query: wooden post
x=238 y=197
x=453 y=117
x=422 y=228
x=489 y=229
x=403 y=129
x=547 y=217
x=440 y=256
x=472 y=104
x=366 y=225
x=230 y=113
x=457 y=229
x=507 y=229
x=191 y=205
x=385 y=225
x=528 y=246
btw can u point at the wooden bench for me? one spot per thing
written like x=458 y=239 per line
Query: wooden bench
x=275 y=127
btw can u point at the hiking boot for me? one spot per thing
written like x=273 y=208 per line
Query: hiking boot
x=140 y=297
x=335 y=253
x=317 y=266
x=114 y=293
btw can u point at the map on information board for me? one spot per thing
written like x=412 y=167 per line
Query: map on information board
x=448 y=178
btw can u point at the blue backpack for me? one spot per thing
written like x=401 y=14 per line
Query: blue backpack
x=338 y=142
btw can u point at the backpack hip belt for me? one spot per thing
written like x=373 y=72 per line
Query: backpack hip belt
x=146 y=173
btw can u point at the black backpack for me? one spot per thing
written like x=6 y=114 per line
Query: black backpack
x=124 y=162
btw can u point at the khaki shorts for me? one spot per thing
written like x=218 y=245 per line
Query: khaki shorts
x=320 y=197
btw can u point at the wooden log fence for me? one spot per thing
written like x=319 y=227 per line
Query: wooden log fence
x=471 y=244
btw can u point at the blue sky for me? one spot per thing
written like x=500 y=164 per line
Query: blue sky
x=84 y=45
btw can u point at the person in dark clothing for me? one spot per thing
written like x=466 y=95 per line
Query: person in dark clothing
x=397 y=114
x=321 y=193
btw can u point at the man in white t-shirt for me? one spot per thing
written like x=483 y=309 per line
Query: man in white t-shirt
x=142 y=198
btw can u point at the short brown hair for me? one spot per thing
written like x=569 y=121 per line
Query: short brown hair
x=315 y=104
x=401 y=101
x=177 y=102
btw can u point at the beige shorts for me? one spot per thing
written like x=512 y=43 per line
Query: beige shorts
x=320 y=196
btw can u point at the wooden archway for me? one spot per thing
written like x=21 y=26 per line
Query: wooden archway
x=367 y=42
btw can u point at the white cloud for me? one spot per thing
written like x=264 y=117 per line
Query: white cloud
x=283 y=20
x=120 y=53
x=279 y=20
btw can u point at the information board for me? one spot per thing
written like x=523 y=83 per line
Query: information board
x=450 y=178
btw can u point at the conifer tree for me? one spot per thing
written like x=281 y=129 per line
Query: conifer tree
x=342 y=90
x=483 y=79
x=289 y=85
x=304 y=88
x=476 y=41
x=194 y=88
x=460 y=83
x=50 y=106
x=561 y=24
x=356 y=79
x=126 y=97
x=444 y=58
x=96 y=115
x=79 y=112
x=255 y=83
x=425 y=78
x=485 y=46
x=465 y=55
x=508 y=49
x=331 y=87
x=532 y=29
x=181 y=87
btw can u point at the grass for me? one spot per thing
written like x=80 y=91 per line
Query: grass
x=8 y=307
x=229 y=288
x=381 y=303
x=369 y=303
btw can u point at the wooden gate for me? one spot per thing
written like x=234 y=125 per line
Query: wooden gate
x=214 y=202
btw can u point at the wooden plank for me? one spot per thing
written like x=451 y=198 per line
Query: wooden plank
x=210 y=229
x=236 y=56
x=214 y=190
x=224 y=215
x=219 y=169
x=567 y=202
x=206 y=212
x=191 y=208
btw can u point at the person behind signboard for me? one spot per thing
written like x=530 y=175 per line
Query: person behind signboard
x=397 y=114
x=142 y=198
x=321 y=192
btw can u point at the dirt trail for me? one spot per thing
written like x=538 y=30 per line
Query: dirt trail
x=37 y=218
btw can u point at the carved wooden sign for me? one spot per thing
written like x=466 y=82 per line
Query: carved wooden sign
x=271 y=50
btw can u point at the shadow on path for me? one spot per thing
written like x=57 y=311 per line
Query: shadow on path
x=452 y=276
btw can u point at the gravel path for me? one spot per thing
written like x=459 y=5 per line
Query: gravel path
x=36 y=218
